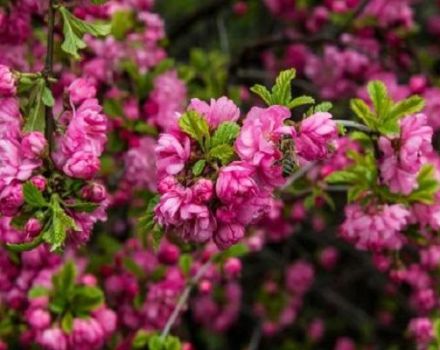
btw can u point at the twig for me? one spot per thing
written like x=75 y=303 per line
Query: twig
x=352 y=124
x=183 y=299
x=299 y=174
x=256 y=338
x=48 y=71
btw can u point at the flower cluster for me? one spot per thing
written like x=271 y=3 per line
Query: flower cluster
x=241 y=192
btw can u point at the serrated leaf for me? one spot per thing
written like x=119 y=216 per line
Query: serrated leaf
x=263 y=92
x=411 y=105
x=147 y=221
x=74 y=30
x=141 y=338
x=363 y=112
x=224 y=153
x=282 y=90
x=155 y=343
x=323 y=107
x=61 y=223
x=131 y=266
x=64 y=280
x=226 y=133
x=33 y=196
x=300 y=101
x=379 y=96
x=194 y=125
x=198 y=167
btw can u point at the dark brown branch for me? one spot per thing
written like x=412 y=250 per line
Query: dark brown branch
x=48 y=71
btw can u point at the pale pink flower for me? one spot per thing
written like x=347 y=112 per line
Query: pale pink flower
x=53 y=339
x=33 y=144
x=172 y=153
x=422 y=330
x=81 y=89
x=235 y=183
x=86 y=334
x=7 y=82
x=82 y=165
x=217 y=112
x=314 y=136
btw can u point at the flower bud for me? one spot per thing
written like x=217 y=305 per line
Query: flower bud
x=33 y=144
x=33 y=227
x=7 y=82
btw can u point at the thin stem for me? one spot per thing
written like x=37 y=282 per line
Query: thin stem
x=299 y=174
x=352 y=124
x=48 y=71
x=183 y=299
x=256 y=338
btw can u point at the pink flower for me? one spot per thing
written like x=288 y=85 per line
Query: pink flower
x=172 y=154
x=400 y=166
x=11 y=199
x=53 y=339
x=228 y=234
x=33 y=144
x=203 y=190
x=299 y=277
x=38 y=318
x=315 y=133
x=81 y=89
x=10 y=119
x=33 y=227
x=422 y=330
x=7 y=82
x=140 y=164
x=107 y=319
x=217 y=112
x=82 y=165
x=258 y=140
x=86 y=334
x=235 y=183
x=375 y=228
x=345 y=343
x=94 y=192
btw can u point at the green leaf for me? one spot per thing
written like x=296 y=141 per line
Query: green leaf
x=263 y=92
x=363 y=112
x=195 y=126
x=23 y=247
x=61 y=223
x=323 y=107
x=99 y=2
x=35 y=118
x=74 y=30
x=122 y=23
x=33 y=196
x=198 y=167
x=155 y=343
x=226 y=133
x=147 y=221
x=300 y=101
x=379 y=96
x=67 y=322
x=172 y=343
x=342 y=176
x=158 y=234
x=87 y=207
x=38 y=291
x=185 y=262
x=141 y=339
x=237 y=250
x=131 y=266
x=363 y=138
x=224 y=153
x=282 y=90
x=87 y=298
x=47 y=97
x=411 y=105
x=64 y=280
x=427 y=186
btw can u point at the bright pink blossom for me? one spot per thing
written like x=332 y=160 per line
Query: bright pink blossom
x=217 y=112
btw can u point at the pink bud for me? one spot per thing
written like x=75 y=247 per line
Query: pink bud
x=168 y=253
x=38 y=318
x=89 y=280
x=7 y=82
x=82 y=165
x=39 y=182
x=33 y=227
x=203 y=190
x=205 y=287
x=94 y=192
x=11 y=199
x=232 y=267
